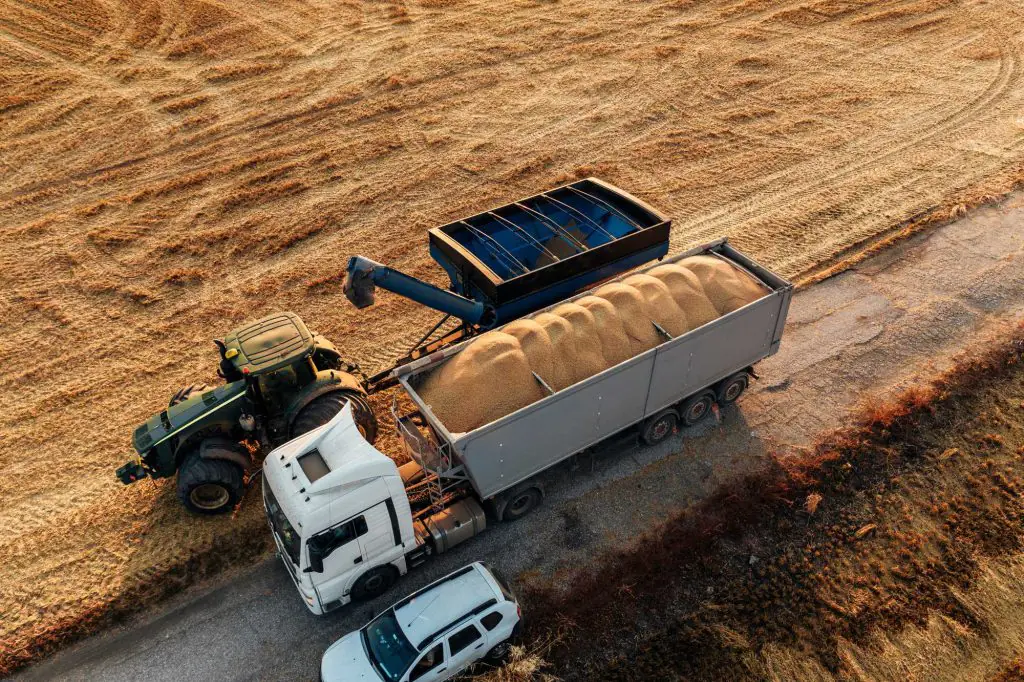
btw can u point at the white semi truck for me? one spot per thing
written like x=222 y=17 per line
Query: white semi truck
x=348 y=521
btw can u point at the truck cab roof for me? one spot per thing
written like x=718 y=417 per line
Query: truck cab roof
x=306 y=473
x=269 y=343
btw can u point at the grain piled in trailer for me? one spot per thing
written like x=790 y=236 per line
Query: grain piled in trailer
x=576 y=340
x=462 y=396
x=632 y=311
x=588 y=358
x=727 y=287
x=688 y=293
x=610 y=330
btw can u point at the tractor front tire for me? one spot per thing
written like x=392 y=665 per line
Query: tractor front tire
x=322 y=409
x=209 y=486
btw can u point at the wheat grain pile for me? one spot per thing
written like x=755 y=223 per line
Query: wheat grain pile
x=495 y=374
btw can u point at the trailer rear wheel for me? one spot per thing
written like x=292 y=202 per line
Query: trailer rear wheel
x=518 y=502
x=732 y=388
x=696 y=408
x=659 y=427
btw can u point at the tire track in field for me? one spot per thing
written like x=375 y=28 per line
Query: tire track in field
x=866 y=155
x=325 y=107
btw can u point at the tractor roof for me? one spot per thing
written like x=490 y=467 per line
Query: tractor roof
x=269 y=343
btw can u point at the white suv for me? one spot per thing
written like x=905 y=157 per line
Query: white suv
x=432 y=635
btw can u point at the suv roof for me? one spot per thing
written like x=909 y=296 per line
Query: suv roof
x=441 y=604
x=270 y=343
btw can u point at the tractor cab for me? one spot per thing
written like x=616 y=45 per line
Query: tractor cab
x=271 y=344
x=274 y=356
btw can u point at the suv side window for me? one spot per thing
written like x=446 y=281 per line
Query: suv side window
x=331 y=539
x=430 y=661
x=491 y=620
x=463 y=638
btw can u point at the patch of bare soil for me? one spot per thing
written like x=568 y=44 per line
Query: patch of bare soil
x=892 y=550
x=170 y=169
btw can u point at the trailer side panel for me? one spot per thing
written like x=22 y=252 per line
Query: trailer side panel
x=509 y=450
x=499 y=457
x=712 y=352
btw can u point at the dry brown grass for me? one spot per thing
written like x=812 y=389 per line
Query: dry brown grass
x=142 y=139
x=910 y=565
x=522 y=666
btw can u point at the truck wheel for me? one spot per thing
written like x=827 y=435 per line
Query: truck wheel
x=695 y=408
x=322 y=409
x=732 y=388
x=659 y=427
x=209 y=486
x=518 y=503
x=374 y=583
x=185 y=393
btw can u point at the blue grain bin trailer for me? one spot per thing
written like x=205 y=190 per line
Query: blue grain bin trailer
x=518 y=258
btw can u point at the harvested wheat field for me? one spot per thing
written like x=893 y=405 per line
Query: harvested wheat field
x=173 y=168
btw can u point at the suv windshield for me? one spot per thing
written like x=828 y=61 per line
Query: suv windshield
x=282 y=528
x=389 y=650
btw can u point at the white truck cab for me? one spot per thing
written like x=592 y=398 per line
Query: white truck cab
x=339 y=514
x=432 y=635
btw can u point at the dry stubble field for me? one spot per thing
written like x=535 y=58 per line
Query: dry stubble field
x=172 y=167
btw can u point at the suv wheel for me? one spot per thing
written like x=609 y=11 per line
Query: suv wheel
x=499 y=652
x=209 y=486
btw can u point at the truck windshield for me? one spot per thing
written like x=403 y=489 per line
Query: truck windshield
x=387 y=646
x=282 y=527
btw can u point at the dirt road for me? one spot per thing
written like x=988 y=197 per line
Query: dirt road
x=850 y=338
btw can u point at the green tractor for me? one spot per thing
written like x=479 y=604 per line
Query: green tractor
x=281 y=380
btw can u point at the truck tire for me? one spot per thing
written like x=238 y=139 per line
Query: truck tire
x=374 y=582
x=186 y=392
x=659 y=427
x=732 y=388
x=696 y=408
x=518 y=502
x=322 y=409
x=209 y=486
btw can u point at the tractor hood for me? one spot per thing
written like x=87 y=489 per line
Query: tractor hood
x=176 y=418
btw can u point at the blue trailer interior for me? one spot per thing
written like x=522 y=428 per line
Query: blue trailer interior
x=530 y=253
x=516 y=239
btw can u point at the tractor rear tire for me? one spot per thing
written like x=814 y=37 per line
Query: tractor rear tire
x=210 y=486
x=322 y=409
